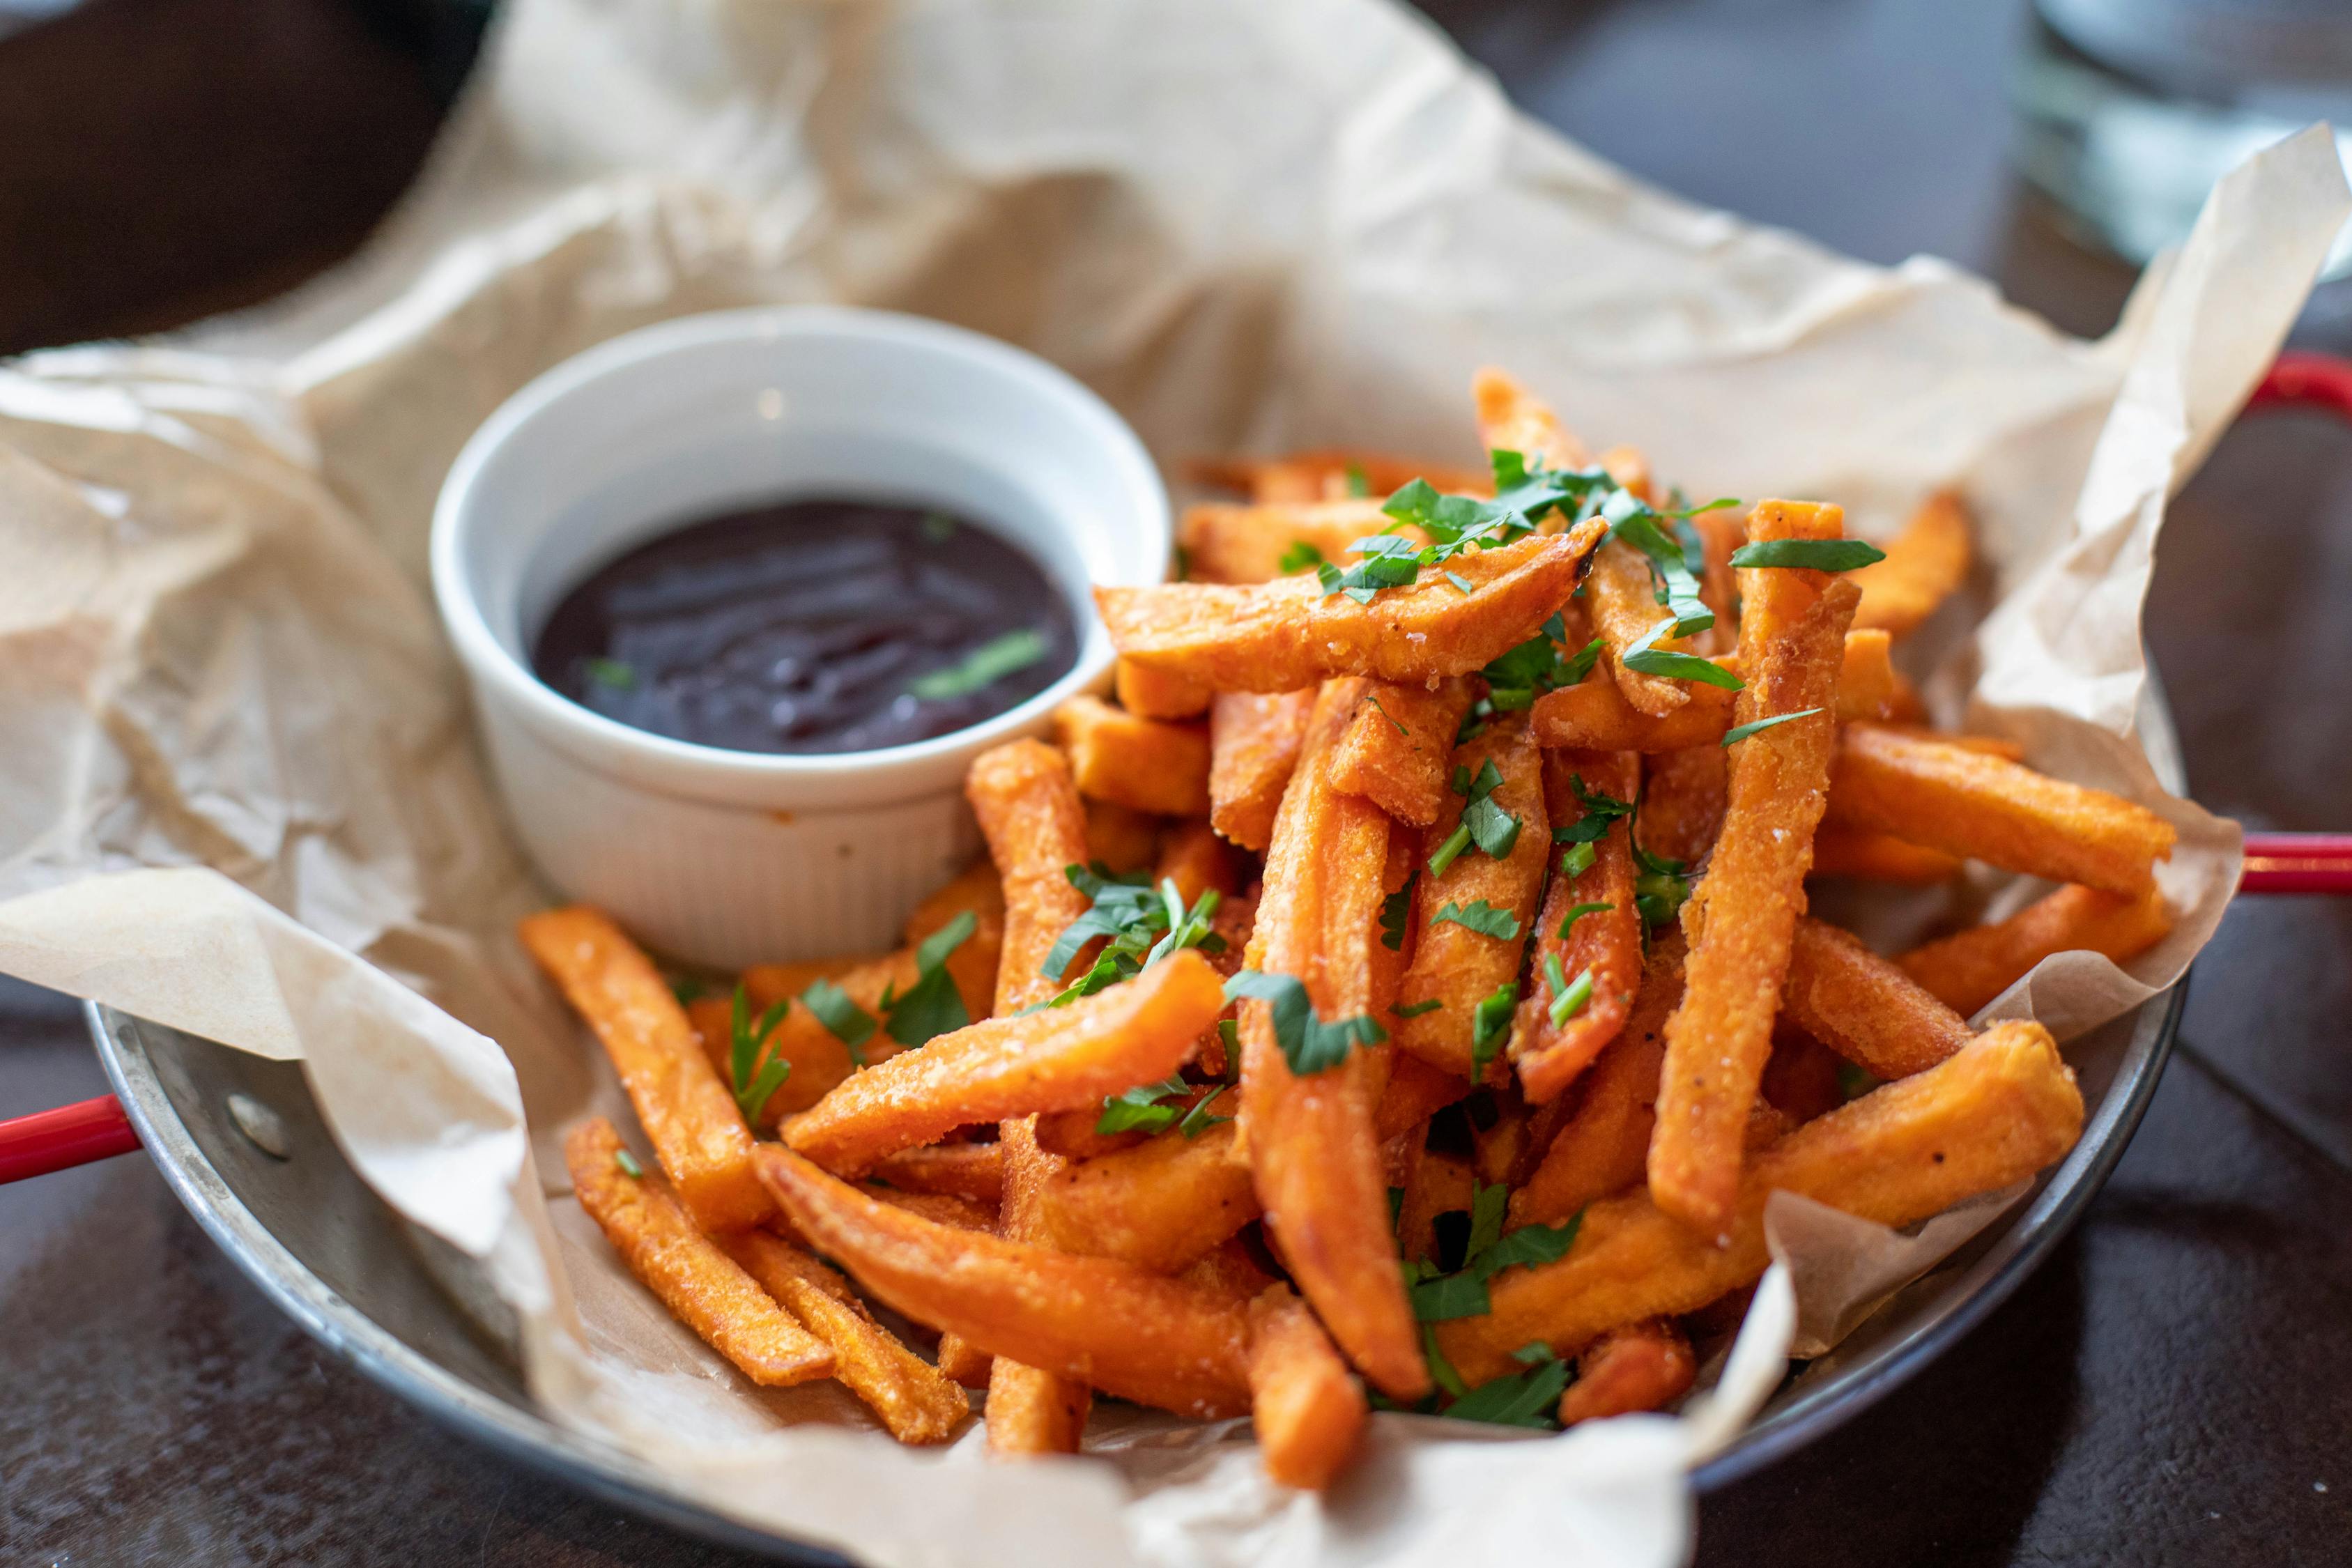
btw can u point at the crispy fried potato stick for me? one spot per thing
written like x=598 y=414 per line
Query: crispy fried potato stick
x=1513 y=419
x=1196 y=858
x=1332 y=472
x=946 y=1209
x=689 y=1114
x=658 y=1239
x=1279 y=637
x=1865 y=1008
x=1308 y=1408
x=1145 y=764
x=1440 y=1182
x=1721 y=532
x=1029 y=812
x=1594 y=715
x=1644 y=1366
x=1603 y=1144
x=1999 y=1111
x=1257 y=543
x=1030 y=1409
x=1120 y=837
x=1398 y=745
x=1415 y=1092
x=1090 y=1320
x=1623 y=611
x=960 y=1170
x=1741 y=916
x=1802 y=1079
x=1253 y=740
x=1158 y=1205
x=1310 y=1137
x=1682 y=797
x=1923 y=564
x=1060 y=1059
x=1453 y=964
x=1862 y=856
x=1971 y=968
x=1983 y=807
x=1148 y=694
x=913 y=1400
x=1604 y=943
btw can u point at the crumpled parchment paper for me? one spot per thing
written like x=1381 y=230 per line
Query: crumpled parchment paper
x=237 y=792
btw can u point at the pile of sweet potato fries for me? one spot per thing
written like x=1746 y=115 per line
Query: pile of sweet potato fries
x=1408 y=983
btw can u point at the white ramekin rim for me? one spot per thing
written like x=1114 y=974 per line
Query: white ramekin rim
x=506 y=691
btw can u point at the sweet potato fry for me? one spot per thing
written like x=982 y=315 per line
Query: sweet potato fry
x=656 y=1237
x=1619 y=594
x=1983 y=807
x=1592 y=715
x=962 y=1169
x=1457 y=965
x=1060 y=1059
x=1310 y=1136
x=1803 y=1078
x=1257 y=543
x=1307 y=1409
x=1398 y=745
x=1603 y=1144
x=1582 y=944
x=1029 y=812
x=1923 y=564
x=1031 y=1409
x=1682 y=798
x=1158 y=1205
x=1253 y=740
x=1862 y=856
x=1415 y=1092
x=1281 y=635
x=1331 y=472
x=1968 y=969
x=913 y=1400
x=1120 y=837
x=946 y=1208
x=1743 y=913
x=689 y=1114
x=1997 y=1113
x=1865 y=1008
x=1513 y=419
x=1146 y=764
x=1642 y=1366
x=1196 y=858
x=1440 y=1182
x=1091 y=1320
x=1149 y=694
x=1720 y=532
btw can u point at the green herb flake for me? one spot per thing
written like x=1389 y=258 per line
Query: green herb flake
x=1739 y=733
x=1481 y=917
x=1396 y=914
x=751 y=1083
x=990 y=662
x=842 y=1018
x=616 y=673
x=688 y=988
x=1143 y=925
x=1577 y=860
x=1645 y=659
x=1375 y=700
x=1415 y=1009
x=939 y=527
x=1450 y=850
x=1568 y=997
x=1298 y=557
x=1359 y=483
x=1308 y=1044
x=1577 y=913
x=1198 y=1120
x=1854 y=1082
x=1528 y=1399
x=1462 y=1293
x=1142 y=1108
x=1660 y=887
x=932 y=1006
x=1818 y=554
x=628 y=1163
x=1490 y=1026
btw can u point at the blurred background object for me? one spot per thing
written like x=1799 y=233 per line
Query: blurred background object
x=2129 y=109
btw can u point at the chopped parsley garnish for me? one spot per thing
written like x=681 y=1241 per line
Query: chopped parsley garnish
x=939 y=527
x=1820 y=554
x=1586 y=831
x=1490 y=1026
x=1298 y=557
x=1578 y=665
x=1568 y=996
x=1855 y=1081
x=1198 y=1120
x=1529 y=1398
x=1374 y=700
x=932 y=1006
x=628 y=1163
x=1143 y=923
x=1492 y=829
x=618 y=674
x=1396 y=914
x=1415 y=1009
x=688 y=988
x=1739 y=733
x=1577 y=914
x=1458 y=523
x=1308 y=1044
x=1481 y=917
x=990 y=662
x=1647 y=659
x=1437 y=1298
x=1229 y=1035
x=1673 y=560
x=1359 y=483
x=847 y=1022
x=1141 y=1110
x=1577 y=859
x=1659 y=886
x=1516 y=678
x=751 y=1083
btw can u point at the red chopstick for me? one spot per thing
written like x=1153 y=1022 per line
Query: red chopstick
x=2297 y=863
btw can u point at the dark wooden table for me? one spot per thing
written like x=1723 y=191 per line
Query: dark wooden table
x=2170 y=1388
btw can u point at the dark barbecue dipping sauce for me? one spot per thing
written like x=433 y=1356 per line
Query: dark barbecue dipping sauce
x=810 y=626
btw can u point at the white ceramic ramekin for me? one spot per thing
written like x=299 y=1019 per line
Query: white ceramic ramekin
x=724 y=858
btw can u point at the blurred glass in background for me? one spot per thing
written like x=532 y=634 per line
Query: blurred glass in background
x=2130 y=110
